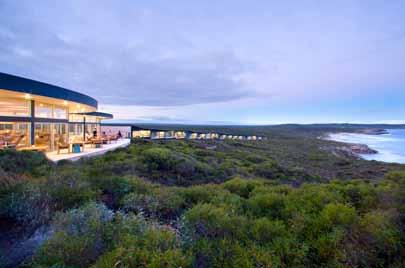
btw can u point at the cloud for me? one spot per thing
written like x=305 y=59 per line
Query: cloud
x=116 y=66
x=227 y=60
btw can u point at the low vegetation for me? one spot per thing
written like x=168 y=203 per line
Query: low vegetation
x=192 y=204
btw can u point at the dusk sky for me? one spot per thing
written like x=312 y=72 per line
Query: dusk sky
x=233 y=62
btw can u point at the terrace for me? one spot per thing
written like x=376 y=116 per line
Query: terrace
x=88 y=151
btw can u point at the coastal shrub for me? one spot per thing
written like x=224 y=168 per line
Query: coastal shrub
x=68 y=191
x=27 y=204
x=8 y=180
x=241 y=187
x=78 y=239
x=381 y=230
x=270 y=205
x=265 y=231
x=156 y=247
x=160 y=203
x=269 y=169
x=24 y=162
x=113 y=189
x=157 y=159
x=201 y=194
x=233 y=221
x=209 y=221
x=224 y=252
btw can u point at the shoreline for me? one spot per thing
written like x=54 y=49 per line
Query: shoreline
x=357 y=150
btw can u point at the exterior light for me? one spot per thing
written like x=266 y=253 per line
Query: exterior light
x=27 y=96
x=65 y=102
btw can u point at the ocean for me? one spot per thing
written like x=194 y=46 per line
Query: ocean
x=390 y=147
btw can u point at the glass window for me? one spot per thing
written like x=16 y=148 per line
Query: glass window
x=60 y=112
x=158 y=135
x=43 y=110
x=141 y=134
x=76 y=118
x=75 y=132
x=60 y=135
x=91 y=119
x=43 y=135
x=92 y=130
x=179 y=134
x=14 y=107
x=15 y=135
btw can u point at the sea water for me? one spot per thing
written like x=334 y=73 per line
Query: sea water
x=390 y=147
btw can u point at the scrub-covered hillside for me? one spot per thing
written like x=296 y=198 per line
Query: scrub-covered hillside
x=198 y=204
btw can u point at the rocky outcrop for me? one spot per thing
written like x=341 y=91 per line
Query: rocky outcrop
x=373 y=131
x=349 y=150
x=361 y=149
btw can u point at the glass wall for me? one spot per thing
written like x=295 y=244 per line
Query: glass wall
x=92 y=131
x=49 y=135
x=60 y=135
x=180 y=134
x=137 y=134
x=80 y=118
x=75 y=132
x=76 y=118
x=60 y=112
x=158 y=135
x=125 y=131
x=43 y=110
x=14 y=135
x=43 y=135
x=14 y=107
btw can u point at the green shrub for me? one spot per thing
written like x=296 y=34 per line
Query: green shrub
x=69 y=191
x=200 y=193
x=208 y=221
x=270 y=205
x=161 y=203
x=241 y=187
x=151 y=246
x=24 y=162
x=78 y=239
x=27 y=204
x=265 y=231
x=268 y=169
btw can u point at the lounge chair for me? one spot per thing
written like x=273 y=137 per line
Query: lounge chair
x=15 y=141
x=63 y=145
x=113 y=138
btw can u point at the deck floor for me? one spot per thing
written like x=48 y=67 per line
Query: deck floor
x=88 y=151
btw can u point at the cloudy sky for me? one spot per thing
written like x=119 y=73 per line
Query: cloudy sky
x=216 y=61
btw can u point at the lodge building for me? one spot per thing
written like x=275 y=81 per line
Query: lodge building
x=43 y=117
x=40 y=116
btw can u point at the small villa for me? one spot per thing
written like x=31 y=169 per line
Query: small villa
x=180 y=135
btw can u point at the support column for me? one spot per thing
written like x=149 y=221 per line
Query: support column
x=32 y=139
x=84 y=128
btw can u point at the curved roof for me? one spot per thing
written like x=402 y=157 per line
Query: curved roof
x=20 y=84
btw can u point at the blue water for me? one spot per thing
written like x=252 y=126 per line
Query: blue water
x=390 y=147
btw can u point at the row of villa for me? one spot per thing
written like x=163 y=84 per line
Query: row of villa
x=136 y=132
x=43 y=117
